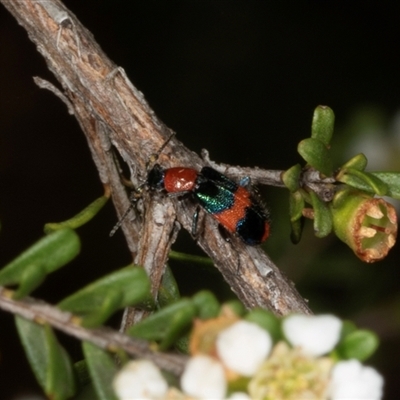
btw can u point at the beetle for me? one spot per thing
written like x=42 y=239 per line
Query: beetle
x=236 y=209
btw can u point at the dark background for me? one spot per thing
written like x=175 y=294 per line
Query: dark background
x=240 y=78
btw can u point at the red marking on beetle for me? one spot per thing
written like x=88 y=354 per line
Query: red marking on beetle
x=266 y=233
x=179 y=179
x=230 y=217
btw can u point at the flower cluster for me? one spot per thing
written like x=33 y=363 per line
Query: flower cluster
x=237 y=359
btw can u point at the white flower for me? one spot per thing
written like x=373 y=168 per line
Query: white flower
x=353 y=381
x=316 y=335
x=204 y=378
x=243 y=347
x=139 y=380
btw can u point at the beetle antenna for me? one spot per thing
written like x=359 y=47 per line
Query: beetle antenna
x=154 y=157
x=119 y=223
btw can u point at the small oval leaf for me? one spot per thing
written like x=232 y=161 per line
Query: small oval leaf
x=360 y=344
x=358 y=162
x=316 y=154
x=49 y=253
x=48 y=359
x=392 y=180
x=374 y=184
x=169 y=291
x=296 y=205
x=291 y=177
x=296 y=230
x=207 y=304
x=167 y=324
x=102 y=369
x=322 y=216
x=100 y=299
x=322 y=124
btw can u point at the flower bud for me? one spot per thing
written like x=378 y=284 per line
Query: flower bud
x=315 y=335
x=352 y=380
x=204 y=378
x=139 y=379
x=243 y=347
x=366 y=224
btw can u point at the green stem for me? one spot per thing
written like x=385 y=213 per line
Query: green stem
x=176 y=255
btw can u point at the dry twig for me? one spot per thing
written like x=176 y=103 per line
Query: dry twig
x=114 y=116
x=105 y=338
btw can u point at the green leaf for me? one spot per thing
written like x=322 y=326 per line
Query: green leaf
x=48 y=254
x=322 y=216
x=296 y=230
x=296 y=206
x=358 y=162
x=347 y=328
x=182 y=344
x=291 y=177
x=49 y=361
x=207 y=304
x=87 y=392
x=100 y=299
x=267 y=321
x=102 y=369
x=316 y=154
x=167 y=324
x=391 y=179
x=322 y=124
x=354 y=177
x=79 y=219
x=360 y=344
x=82 y=373
x=169 y=291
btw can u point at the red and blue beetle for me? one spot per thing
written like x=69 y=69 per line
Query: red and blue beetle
x=236 y=208
x=230 y=203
